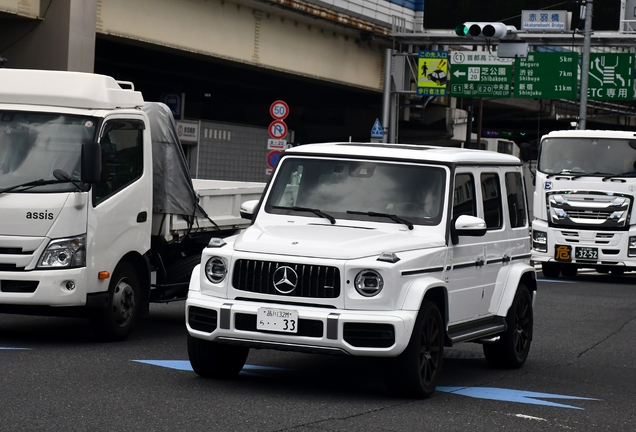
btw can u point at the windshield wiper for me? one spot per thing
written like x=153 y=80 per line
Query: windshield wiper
x=317 y=212
x=627 y=174
x=592 y=174
x=393 y=217
x=60 y=177
x=567 y=172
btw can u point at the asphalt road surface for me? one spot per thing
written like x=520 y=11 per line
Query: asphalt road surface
x=580 y=376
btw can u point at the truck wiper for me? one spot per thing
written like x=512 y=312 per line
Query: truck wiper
x=317 y=212
x=567 y=172
x=627 y=174
x=60 y=177
x=393 y=217
x=592 y=174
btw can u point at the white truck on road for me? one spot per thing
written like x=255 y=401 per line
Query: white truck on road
x=381 y=250
x=584 y=213
x=98 y=214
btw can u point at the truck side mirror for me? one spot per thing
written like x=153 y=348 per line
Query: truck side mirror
x=525 y=152
x=91 y=160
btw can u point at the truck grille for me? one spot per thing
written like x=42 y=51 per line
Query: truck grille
x=588 y=208
x=292 y=280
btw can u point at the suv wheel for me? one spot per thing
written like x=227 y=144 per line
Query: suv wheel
x=215 y=360
x=512 y=348
x=415 y=372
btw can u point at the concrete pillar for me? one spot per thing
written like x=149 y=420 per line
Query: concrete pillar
x=63 y=38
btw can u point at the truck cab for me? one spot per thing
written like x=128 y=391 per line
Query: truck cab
x=584 y=202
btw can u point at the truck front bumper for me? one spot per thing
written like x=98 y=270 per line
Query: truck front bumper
x=360 y=333
x=603 y=249
x=65 y=287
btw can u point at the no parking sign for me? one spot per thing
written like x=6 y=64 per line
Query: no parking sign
x=272 y=158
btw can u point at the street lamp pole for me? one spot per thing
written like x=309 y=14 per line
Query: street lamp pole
x=585 y=64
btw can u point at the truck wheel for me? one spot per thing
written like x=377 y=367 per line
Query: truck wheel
x=415 y=372
x=215 y=360
x=569 y=271
x=116 y=320
x=551 y=270
x=512 y=348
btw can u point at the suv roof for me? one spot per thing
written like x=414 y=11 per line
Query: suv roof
x=590 y=134
x=408 y=152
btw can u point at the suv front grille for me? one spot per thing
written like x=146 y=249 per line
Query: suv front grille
x=311 y=281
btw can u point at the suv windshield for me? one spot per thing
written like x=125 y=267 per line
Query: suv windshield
x=595 y=156
x=359 y=190
x=33 y=145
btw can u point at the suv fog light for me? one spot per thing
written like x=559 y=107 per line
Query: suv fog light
x=540 y=241
x=369 y=283
x=70 y=285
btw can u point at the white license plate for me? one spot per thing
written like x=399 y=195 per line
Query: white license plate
x=282 y=320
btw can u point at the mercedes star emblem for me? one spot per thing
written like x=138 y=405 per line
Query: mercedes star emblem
x=285 y=279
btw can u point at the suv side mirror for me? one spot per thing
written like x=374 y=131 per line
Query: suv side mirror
x=466 y=225
x=91 y=160
x=247 y=209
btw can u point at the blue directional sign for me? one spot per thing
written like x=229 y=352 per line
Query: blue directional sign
x=377 y=131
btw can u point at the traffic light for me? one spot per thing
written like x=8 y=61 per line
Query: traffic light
x=485 y=30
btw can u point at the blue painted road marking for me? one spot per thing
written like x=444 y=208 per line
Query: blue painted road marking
x=556 y=281
x=507 y=395
x=13 y=348
x=184 y=365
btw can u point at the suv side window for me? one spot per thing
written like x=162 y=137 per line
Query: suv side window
x=516 y=200
x=491 y=195
x=122 y=158
x=464 y=202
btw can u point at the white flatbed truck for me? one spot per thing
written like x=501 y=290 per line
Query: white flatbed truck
x=98 y=214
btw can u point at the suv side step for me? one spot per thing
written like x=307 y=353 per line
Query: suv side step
x=476 y=329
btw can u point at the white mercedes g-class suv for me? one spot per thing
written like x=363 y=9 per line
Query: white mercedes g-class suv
x=382 y=250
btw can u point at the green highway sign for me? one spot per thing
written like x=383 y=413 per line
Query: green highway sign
x=547 y=75
x=611 y=76
x=475 y=74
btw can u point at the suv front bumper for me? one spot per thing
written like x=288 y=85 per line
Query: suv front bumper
x=360 y=333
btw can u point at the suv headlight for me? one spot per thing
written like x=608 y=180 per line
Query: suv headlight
x=215 y=269
x=64 y=253
x=369 y=283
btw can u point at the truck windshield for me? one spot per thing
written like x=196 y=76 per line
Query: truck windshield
x=359 y=190
x=34 y=144
x=595 y=156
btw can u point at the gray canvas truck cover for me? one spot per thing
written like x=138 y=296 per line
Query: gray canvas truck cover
x=172 y=192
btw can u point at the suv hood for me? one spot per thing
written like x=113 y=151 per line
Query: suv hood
x=332 y=241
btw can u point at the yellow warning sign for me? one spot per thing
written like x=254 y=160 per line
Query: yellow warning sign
x=432 y=73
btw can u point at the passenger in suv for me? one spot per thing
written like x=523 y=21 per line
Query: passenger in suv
x=377 y=250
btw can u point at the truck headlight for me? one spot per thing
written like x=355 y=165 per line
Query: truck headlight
x=215 y=269
x=631 y=249
x=540 y=240
x=64 y=253
x=369 y=283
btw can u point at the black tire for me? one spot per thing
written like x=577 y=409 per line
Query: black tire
x=569 y=271
x=215 y=360
x=551 y=270
x=415 y=372
x=511 y=350
x=116 y=320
